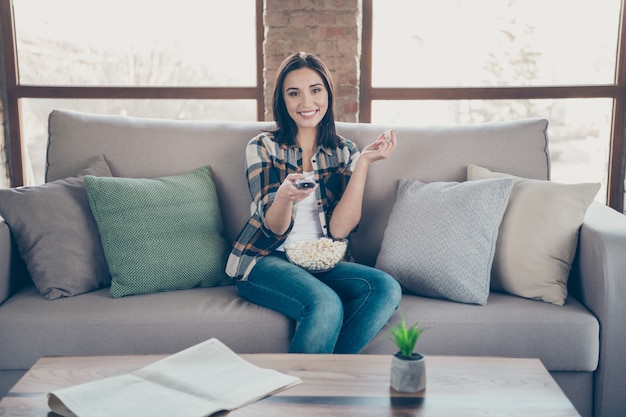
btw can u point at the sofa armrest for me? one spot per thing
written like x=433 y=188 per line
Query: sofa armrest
x=12 y=270
x=6 y=248
x=600 y=272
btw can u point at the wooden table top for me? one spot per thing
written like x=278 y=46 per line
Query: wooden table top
x=337 y=385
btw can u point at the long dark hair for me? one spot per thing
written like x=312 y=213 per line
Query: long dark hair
x=286 y=128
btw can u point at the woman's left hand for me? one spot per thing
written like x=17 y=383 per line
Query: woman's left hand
x=380 y=149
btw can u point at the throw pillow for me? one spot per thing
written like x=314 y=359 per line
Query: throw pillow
x=441 y=237
x=160 y=234
x=538 y=235
x=56 y=234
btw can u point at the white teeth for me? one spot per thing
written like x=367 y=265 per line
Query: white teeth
x=307 y=113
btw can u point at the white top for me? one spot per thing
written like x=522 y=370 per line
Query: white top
x=306 y=224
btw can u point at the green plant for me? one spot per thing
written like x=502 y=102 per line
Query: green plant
x=405 y=337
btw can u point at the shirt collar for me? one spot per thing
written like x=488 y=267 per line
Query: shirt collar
x=328 y=151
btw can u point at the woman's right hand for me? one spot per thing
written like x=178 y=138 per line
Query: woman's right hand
x=278 y=215
x=289 y=192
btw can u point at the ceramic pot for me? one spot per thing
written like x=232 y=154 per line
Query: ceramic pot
x=408 y=375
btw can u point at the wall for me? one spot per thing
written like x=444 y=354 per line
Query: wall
x=330 y=29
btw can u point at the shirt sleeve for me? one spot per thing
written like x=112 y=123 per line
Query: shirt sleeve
x=353 y=156
x=346 y=154
x=266 y=169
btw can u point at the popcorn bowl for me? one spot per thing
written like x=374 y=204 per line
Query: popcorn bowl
x=320 y=255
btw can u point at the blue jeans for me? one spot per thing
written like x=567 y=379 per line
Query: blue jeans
x=338 y=311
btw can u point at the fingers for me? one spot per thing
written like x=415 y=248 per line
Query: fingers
x=390 y=139
x=382 y=147
x=392 y=142
x=289 y=191
x=388 y=135
x=387 y=141
x=296 y=195
x=387 y=148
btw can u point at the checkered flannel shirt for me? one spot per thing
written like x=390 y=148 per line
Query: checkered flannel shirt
x=267 y=165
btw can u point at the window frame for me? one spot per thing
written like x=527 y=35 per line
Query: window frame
x=615 y=91
x=17 y=91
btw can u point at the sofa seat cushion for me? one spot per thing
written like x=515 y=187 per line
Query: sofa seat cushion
x=168 y=322
x=565 y=338
x=160 y=323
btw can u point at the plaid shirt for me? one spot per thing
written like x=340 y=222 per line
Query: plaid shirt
x=267 y=165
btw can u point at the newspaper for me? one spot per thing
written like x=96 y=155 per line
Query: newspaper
x=196 y=382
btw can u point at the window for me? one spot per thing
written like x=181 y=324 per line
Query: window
x=137 y=58
x=462 y=43
x=458 y=61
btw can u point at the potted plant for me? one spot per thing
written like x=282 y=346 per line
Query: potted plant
x=408 y=371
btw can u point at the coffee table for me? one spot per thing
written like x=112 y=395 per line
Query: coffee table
x=337 y=385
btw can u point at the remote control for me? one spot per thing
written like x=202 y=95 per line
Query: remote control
x=304 y=183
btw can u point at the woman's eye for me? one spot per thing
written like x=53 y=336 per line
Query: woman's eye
x=292 y=94
x=316 y=90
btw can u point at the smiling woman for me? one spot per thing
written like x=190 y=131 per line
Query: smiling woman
x=304 y=144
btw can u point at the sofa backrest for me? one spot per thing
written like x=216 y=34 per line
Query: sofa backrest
x=147 y=148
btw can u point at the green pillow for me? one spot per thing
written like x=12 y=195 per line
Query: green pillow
x=160 y=234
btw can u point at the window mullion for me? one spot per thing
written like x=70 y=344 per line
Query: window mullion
x=13 y=139
x=615 y=184
x=365 y=95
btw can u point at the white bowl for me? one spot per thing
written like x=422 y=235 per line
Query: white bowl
x=319 y=255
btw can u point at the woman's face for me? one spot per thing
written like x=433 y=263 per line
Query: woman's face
x=306 y=97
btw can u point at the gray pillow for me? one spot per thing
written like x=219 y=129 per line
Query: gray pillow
x=57 y=235
x=441 y=237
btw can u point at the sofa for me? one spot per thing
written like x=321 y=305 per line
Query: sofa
x=581 y=342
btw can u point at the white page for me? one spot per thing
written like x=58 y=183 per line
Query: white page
x=196 y=382
x=127 y=396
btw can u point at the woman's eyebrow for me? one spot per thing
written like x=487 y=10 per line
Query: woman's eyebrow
x=297 y=89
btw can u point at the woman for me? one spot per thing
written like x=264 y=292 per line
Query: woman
x=338 y=311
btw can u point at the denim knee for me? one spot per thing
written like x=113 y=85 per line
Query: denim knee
x=391 y=288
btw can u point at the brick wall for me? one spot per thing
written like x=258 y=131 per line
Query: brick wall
x=330 y=29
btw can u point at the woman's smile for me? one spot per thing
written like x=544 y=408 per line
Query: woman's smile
x=308 y=114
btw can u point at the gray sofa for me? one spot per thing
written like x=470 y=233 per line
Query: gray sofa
x=581 y=343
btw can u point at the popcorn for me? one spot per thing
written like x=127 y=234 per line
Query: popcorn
x=387 y=134
x=317 y=255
